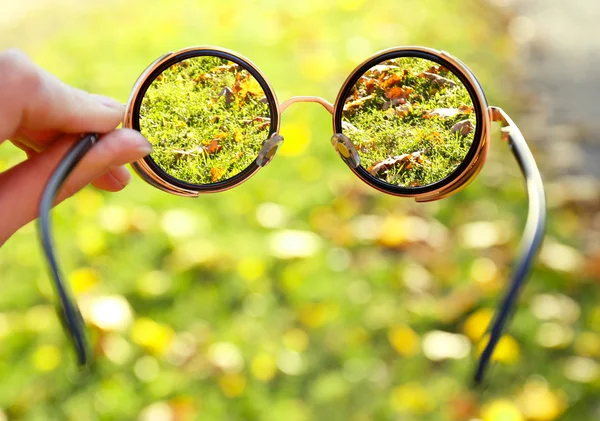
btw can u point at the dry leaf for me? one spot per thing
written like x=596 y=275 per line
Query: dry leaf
x=437 y=79
x=226 y=68
x=204 y=77
x=357 y=103
x=394 y=80
x=214 y=146
x=381 y=68
x=216 y=174
x=399 y=111
x=442 y=113
x=238 y=135
x=397 y=93
x=405 y=161
x=371 y=84
x=464 y=128
x=180 y=153
x=228 y=93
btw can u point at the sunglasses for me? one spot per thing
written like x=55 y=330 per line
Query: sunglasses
x=409 y=121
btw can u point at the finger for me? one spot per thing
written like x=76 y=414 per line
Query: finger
x=33 y=99
x=22 y=185
x=28 y=150
x=36 y=139
x=115 y=180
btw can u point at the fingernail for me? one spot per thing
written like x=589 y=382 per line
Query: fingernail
x=108 y=102
x=122 y=175
x=144 y=147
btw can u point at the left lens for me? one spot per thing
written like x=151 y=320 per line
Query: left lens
x=411 y=120
x=206 y=118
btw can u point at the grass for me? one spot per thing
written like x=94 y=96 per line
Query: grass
x=206 y=118
x=302 y=294
x=411 y=120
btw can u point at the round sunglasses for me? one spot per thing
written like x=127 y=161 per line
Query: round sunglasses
x=409 y=121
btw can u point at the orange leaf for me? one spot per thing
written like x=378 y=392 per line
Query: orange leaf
x=394 y=80
x=216 y=174
x=397 y=93
x=465 y=109
x=214 y=146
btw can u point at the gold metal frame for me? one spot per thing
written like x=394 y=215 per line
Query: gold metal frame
x=446 y=188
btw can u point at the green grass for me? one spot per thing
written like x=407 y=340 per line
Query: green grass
x=206 y=118
x=395 y=109
x=337 y=333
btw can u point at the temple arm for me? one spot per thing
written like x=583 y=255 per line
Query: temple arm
x=532 y=236
x=69 y=311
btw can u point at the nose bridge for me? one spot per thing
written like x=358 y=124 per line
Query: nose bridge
x=326 y=104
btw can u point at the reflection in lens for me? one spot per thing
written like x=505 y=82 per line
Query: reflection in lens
x=206 y=118
x=411 y=120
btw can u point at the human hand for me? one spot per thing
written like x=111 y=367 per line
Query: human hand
x=44 y=117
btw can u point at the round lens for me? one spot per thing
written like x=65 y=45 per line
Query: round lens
x=411 y=120
x=206 y=118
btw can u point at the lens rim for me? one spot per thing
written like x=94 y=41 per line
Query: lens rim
x=147 y=167
x=474 y=159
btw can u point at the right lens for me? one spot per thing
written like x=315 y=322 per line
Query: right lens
x=206 y=118
x=411 y=120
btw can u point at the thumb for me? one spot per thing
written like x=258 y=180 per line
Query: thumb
x=22 y=185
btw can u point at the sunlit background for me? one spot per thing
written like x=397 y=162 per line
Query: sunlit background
x=304 y=294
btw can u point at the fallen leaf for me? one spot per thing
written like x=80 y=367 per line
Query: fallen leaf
x=397 y=93
x=464 y=128
x=394 y=80
x=370 y=84
x=238 y=135
x=405 y=161
x=381 y=68
x=204 y=77
x=437 y=79
x=214 y=146
x=465 y=109
x=442 y=113
x=180 y=153
x=228 y=93
x=348 y=106
x=350 y=127
x=216 y=174
x=226 y=68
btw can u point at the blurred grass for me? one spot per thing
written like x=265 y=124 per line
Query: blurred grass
x=301 y=294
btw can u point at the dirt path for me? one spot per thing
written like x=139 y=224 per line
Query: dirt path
x=560 y=57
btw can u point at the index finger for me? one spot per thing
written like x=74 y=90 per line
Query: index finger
x=33 y=99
